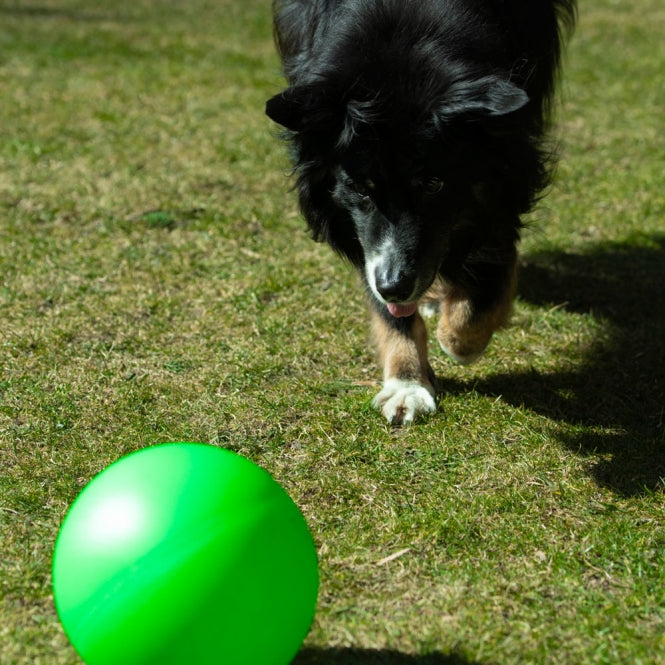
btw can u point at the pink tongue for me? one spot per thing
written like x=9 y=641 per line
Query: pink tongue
x=399 y=311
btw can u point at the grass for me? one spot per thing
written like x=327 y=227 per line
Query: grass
x=156 y=284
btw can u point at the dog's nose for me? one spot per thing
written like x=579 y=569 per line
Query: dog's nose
x=394 y=285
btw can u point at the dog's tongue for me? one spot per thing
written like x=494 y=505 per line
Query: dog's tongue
x=399 y=311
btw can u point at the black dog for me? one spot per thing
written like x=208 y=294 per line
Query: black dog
x=417 y=131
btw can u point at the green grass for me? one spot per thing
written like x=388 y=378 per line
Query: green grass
x=157 y=284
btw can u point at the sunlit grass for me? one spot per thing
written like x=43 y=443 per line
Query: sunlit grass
x=157 y=284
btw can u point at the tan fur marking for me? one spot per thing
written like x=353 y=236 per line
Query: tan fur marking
x=464 y=334
x=402 y=357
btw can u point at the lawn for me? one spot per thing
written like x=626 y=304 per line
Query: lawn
x=157 y=284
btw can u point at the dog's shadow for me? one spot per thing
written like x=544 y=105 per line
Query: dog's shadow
x=352 y=656
x=618 y=389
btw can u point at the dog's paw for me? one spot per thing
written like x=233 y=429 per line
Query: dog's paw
x=464 y=346
x=429 y=308
x=463 y=358
x=402 y=401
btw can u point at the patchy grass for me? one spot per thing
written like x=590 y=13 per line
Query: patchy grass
x=156 y=284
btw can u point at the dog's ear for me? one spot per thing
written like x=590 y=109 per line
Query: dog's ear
x=300 y=107
x=487 y=97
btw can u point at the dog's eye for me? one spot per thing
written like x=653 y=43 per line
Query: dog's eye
x=431 y=186
x=362 y=188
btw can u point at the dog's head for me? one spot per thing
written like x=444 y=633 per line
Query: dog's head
x=392 y=171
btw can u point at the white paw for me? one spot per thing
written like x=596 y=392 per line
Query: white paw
x=429 y=309
x=402 y=401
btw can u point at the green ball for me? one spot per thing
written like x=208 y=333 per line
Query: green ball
x=185 y=553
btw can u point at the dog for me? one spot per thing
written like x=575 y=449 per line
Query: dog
x=419 y=136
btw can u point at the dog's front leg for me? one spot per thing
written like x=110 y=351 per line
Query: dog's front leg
x=466 y=326
x=408 y=381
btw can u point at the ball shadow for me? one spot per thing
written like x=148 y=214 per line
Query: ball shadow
x=352 y=656
x=618 y=389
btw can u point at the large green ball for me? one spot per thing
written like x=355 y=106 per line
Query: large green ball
x=185 y=554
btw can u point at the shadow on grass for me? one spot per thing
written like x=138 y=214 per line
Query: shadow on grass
x=617 y=394
x=350 y=656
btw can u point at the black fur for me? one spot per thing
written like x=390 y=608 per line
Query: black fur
x=423 y=122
